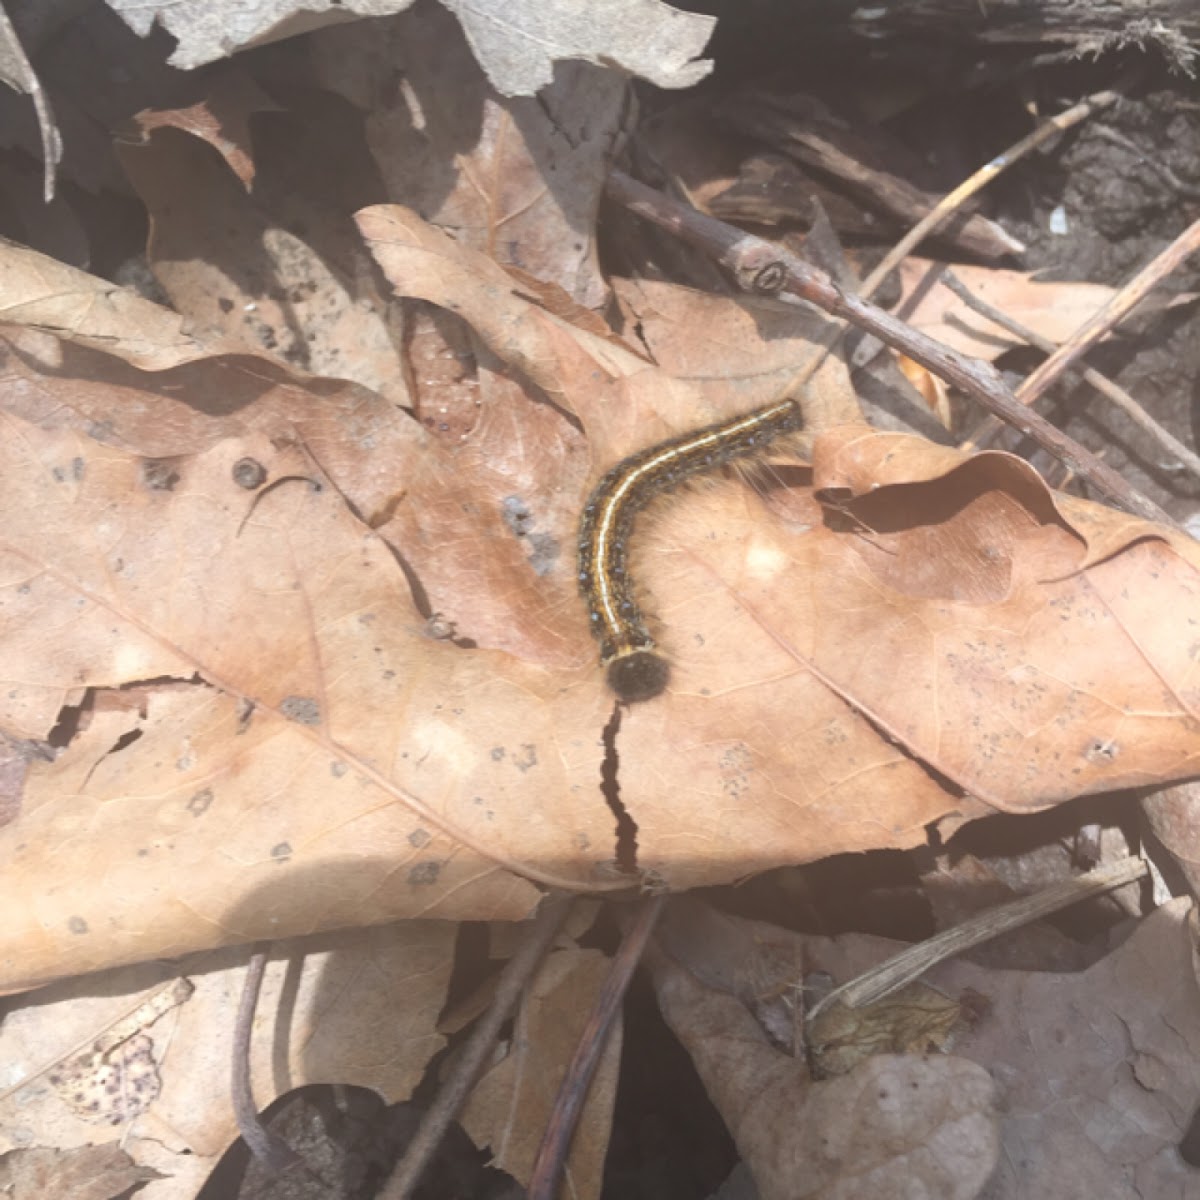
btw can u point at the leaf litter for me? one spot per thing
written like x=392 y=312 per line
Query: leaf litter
x=310 y=664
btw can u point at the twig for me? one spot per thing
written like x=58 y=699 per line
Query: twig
x=980 y=179
x=270 y=1150
x=1091 y=331
x=910 y=964
x=572 y=1092
x=1105 y=386
x=454 y=1092
x=762 y=268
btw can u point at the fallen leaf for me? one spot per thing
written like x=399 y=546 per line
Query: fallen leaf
x=102 y=1172
x=222 y=119
x=512 y=1104
x=38 y=292
x=518 y=179
x=277 y=272
x=896 y=1126
x=1098 y=1070
x=207 y=32
x=357 y=1008
x=738 y=356
x=455 y=753
x=517 y=43
x=1053 y=309
x=1096 y=1073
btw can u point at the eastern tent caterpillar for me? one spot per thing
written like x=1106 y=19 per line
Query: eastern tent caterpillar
x=636 y=668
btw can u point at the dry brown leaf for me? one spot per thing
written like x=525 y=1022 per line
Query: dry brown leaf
x=356 y=1008
x=1053 y=309
x=102 y=1172
x=222 y=119
x=325 y=731
x=517 y=41
x=511 y=1106
x=895 y=1127
x=283 y=765
x=41 y=293
x=1173 y=814
x=1099 y=1070
x=737 y=356
x=278 y=272
x=520 y=43
x=518 y=179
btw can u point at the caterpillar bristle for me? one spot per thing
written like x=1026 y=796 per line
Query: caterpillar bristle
x=636 y=671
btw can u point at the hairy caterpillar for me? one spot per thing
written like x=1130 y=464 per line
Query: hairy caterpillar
x=636 y=670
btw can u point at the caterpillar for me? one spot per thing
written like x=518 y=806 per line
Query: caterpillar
x=635 y=667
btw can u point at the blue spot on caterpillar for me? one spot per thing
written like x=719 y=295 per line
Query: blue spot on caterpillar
x=636 y=669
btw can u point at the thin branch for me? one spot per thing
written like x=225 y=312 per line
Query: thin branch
x=1111 y=314
x=1105 y=386
x=572 y=1092
x=454 y=1092
x=274 y=1153
x=910 y=964
x=980 y=179
x=762 y=268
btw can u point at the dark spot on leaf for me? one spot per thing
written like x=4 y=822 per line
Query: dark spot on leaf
x=77 y=925
x=301 y=709
x=527 y=758
x=497 y=753
x=424 y=873
x=198 y=804
x=74 y=472
x=281 y=851
x=1102 y=751
x=419 y=838
x=249 y=473
x=544 y=553
x=516 y=515
x=158 y=475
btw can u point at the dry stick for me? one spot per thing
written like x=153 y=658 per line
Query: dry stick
x=273 y=1152
x=572 y=1092
x=1092 y=330
x=1105 y=386
x=910 y=964
x=454 y=1092
x=762 y=268
x=980 y=179
x=1113 y=312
